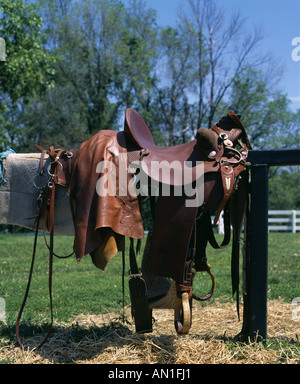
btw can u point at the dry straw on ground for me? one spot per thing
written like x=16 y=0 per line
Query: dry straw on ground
x=106 y=340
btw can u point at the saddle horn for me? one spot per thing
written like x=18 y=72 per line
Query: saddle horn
x=206 y=140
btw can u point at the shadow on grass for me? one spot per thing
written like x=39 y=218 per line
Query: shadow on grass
x=76 y=343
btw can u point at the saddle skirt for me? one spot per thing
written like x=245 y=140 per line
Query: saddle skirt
x=101 y=222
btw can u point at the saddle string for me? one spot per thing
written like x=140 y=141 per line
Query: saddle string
x=134 y=269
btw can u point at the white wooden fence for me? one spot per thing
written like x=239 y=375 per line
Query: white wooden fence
x=278 y=220
x=284 y=221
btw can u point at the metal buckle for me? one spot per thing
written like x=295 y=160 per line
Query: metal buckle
x=234 y=152
x=223 y=136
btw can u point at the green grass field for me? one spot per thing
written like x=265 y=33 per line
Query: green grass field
x=84 y=289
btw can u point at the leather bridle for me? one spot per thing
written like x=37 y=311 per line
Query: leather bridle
x=46 y=203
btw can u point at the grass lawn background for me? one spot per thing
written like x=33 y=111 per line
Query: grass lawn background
x=84 y=289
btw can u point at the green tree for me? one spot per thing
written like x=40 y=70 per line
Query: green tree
x=105 y=59
x=270 y=124
x=83 y=36
x=284 y=191
x=138 y=56
x=266 y=113
x=109 y=56
x=221 y=50
x=28 y=68
x=29 y=65
x=174 y=82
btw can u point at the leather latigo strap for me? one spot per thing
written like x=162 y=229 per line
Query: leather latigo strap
x=190 y=271
x=187 y=285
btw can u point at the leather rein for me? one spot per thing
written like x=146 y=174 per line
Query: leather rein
x=45 y=203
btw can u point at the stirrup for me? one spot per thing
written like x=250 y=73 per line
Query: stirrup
x=183 y=314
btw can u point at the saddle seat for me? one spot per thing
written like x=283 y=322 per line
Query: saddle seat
x=157 y=162
x=192 y=157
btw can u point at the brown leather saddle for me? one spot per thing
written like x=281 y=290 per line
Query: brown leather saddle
x=180 y=232
x=176 y=247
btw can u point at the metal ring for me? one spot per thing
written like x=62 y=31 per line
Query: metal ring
x=235 y=151
x=212 y=290
x=53 y=174
x=223 y=136
x=35 y=179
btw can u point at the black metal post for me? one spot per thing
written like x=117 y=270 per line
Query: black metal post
x=258 y=252
x=255 y=301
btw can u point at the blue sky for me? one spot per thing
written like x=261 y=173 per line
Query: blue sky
x=280 y=20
